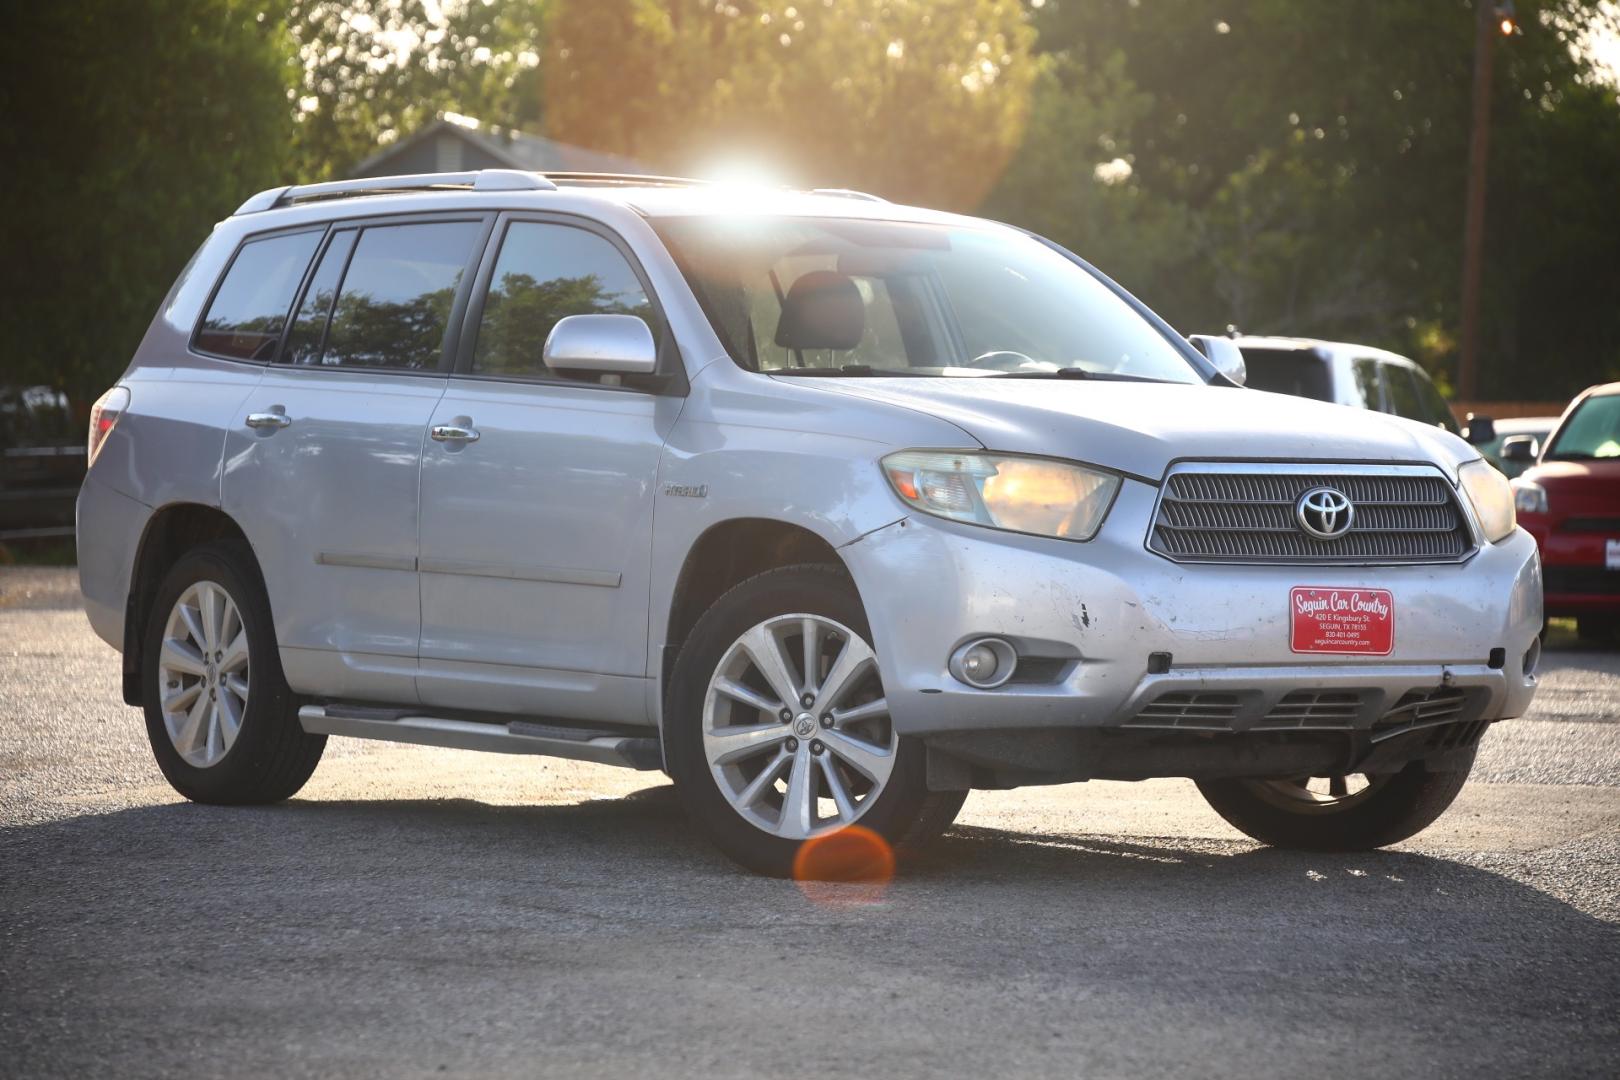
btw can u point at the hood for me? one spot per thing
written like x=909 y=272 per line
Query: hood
x=1595 y=481
x=1140 y=428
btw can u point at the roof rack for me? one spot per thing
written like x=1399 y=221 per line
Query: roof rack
x=847 y=193
x=625 y=179
x=477 y=180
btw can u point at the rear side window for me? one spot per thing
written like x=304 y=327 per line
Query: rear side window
x=245 y=319
x=393 y=303
x=308 y=335
x=544 y=274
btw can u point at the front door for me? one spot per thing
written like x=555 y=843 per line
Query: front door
x=323 y=461
x=537 y=496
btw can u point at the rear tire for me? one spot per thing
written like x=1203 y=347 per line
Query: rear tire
x=743 y=797
x=1394 y=807
x=222 y=722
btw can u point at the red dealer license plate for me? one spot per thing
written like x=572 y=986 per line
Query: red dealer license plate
x=1328 y=620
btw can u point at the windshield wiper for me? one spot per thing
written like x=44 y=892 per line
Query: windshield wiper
x=848 y=371
x=1075 y=373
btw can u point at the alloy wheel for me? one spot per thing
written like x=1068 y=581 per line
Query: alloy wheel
x=796 y=730
x=203 y=674
x=1320 y=794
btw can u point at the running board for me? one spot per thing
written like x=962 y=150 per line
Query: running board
x=515 y=737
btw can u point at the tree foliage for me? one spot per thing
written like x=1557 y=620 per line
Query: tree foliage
x=1300 y=168
x=130 y=129
x=373 y=70
x=922 y=101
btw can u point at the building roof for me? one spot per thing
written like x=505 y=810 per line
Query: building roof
x=513 y=149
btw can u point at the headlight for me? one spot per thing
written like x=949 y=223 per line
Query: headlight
x=1020 y=494
x=1492 y=497
x=1529 y=497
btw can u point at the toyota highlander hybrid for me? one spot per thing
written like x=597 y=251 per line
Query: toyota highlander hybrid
x=830 y=508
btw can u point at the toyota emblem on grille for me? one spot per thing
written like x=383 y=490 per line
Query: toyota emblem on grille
x=1324 y=513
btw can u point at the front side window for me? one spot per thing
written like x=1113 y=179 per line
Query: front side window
x=246 y=316
x=1435 y=409
x=830 y=296
x=1592 y=431
x=543 y=274
x=1403 y=396
x=393 y=305
x=1365 y=375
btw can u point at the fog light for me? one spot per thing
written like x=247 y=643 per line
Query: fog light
x=984 y=663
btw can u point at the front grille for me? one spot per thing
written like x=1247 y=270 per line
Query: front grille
x=1591 y=580
x=1421 y=708
x=1194 y=711
x=1245 y=513
x=1313 y=710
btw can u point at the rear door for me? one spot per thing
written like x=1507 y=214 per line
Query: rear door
x=537 y=526
x=322 y=463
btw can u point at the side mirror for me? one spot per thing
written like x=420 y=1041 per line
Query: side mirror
x=1224 y=353
x=1521 y=449
x=1479 y=429
x=601 y=345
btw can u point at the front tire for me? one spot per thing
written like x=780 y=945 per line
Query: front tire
x=778 y=731
x=223 y=724
x=1346 y=813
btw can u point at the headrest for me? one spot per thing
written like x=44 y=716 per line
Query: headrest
x=823 y=310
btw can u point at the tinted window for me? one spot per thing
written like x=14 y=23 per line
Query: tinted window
x=544 y=274
x=394 y=303
x=1403 y=395
x=1365 y=373
x=1435 y=409
x=245 y=318
x=1288 y=371
x=308 y=332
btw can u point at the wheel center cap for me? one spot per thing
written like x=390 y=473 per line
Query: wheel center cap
x=804 y=725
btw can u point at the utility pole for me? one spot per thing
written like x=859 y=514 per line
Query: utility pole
x=1489 y=19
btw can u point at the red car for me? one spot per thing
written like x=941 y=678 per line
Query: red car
x=1570 y=502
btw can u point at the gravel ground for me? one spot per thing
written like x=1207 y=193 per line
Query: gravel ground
x=423 y=912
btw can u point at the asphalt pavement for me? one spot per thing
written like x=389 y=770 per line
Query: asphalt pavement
x=418 y=912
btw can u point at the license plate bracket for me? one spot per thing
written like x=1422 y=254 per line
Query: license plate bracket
x=1340 y=621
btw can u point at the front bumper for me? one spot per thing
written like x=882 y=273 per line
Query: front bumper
x=1092 y=614
x=1575 y=567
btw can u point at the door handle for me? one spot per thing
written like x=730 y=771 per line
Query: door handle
x=268 y=421
x=453 y=433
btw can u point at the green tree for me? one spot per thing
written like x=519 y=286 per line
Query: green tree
x=923 y=102
x=373 y=70
x=130 y=129
x=1299 y=168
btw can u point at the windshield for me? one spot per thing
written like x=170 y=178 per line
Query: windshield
x=1592 y=431
x=821 y=296
x=1288 y=371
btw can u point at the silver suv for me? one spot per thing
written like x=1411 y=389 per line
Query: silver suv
x=830 y=508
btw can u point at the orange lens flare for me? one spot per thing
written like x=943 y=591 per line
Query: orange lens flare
x=851 y=866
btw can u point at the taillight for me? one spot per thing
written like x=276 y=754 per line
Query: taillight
x=104 y=416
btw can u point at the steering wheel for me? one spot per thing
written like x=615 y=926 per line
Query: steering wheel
x=1007 y=360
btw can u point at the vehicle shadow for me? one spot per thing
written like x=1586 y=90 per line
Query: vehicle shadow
x=1445 y=961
